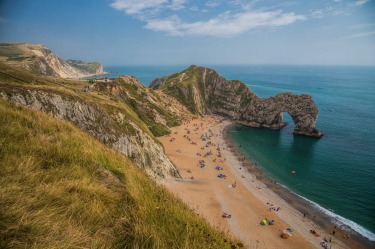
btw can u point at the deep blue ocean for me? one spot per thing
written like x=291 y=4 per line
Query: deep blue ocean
x=336 y=172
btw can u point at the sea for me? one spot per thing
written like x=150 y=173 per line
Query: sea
x=335 y=173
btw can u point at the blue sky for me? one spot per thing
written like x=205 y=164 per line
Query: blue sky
x=140 y=32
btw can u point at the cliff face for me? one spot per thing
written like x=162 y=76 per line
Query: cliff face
x=111 y=128
x=204 y=91
x=156 y=111
x=54 y=176
x=103 y=110
x=40 y=60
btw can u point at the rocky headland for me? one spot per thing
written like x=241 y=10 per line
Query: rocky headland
x=204 y=91
x=39 y=59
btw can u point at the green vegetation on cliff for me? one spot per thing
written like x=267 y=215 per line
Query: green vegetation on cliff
x=62 y=188
x=204 y=91
x=125 y=94
x=89 y=67
x=106 y=115
x=40 y=60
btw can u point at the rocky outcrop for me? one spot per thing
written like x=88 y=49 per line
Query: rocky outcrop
x=112 y=127
x=40 y=60
x=156 y=111
x=204 y=91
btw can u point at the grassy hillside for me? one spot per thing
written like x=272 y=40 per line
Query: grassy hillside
x=60 y=188
x=148 y=105
x=40 y=60
x=9 y=74
x=180 y=86
x=89 y=67
x=139 y=103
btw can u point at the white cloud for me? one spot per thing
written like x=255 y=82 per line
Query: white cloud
x=224 y=25
x=212 y=4
x=134 y=7
x=177 y=4
x=161 y=15
x=359 y=2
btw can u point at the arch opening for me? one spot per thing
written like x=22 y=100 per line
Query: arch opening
x=288 y=122
x=288 y=119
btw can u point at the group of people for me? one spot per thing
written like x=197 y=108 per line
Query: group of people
x=205 y=136
x=271 y=207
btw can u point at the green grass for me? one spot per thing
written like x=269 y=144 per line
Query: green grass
x=143 y=107
x=89 y=67
x=11 y=77
x=60 y=188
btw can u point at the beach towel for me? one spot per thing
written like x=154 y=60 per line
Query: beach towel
x=285 y=235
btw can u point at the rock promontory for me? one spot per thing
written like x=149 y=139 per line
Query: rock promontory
x=40 y=60
x=204 y=91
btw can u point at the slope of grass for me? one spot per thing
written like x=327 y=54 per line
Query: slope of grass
x=60 y=188
x=89 y=67
x=143 y=117
x=13 y=77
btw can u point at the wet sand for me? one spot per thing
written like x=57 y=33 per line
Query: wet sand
x=249 y=202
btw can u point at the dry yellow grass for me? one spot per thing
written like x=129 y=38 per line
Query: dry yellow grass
x=60 y=188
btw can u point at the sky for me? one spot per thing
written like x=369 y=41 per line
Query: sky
x=179 y=32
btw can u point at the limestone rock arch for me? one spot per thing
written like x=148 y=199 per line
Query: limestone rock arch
x=268 y=113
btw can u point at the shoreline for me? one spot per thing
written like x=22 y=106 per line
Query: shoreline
x=300 y=204
x=249 y=202
x=84 y=77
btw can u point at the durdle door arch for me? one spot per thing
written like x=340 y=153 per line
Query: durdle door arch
x=268 y=113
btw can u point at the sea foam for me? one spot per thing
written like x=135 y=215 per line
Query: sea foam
x=344 y=223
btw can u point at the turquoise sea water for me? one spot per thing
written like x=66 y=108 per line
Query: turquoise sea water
x=336 y=172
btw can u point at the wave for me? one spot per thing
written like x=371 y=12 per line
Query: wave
x=338 y=220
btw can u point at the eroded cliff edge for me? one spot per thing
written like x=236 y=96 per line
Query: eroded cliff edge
x=40 y=60
x=204 y=91
x=113 y=112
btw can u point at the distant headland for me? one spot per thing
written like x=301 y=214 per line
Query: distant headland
x=39 y=59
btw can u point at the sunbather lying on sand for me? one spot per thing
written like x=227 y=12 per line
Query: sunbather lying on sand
x=226 y=215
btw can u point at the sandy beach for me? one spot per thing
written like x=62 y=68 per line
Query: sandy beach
x=197 y=148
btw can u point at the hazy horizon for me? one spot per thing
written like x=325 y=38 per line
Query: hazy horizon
x=185 y=32
x=226 y=64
